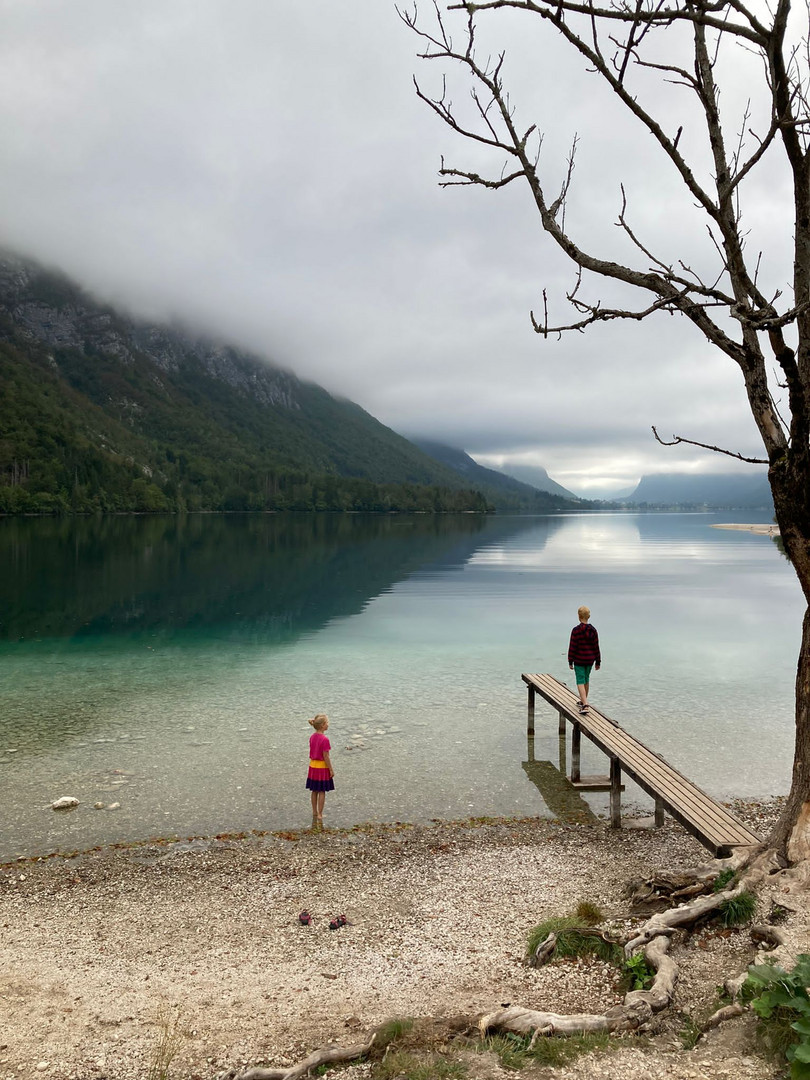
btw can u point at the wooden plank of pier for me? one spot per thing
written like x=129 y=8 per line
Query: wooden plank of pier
x=712 y=824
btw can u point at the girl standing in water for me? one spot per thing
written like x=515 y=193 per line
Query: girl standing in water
x=320 y=777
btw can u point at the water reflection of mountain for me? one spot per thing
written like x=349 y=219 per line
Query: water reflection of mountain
x=262 y=577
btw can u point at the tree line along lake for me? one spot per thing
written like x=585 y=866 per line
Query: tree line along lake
x=163 y=669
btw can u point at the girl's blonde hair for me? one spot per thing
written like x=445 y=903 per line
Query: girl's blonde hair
x=584 y=613
x=319 y=720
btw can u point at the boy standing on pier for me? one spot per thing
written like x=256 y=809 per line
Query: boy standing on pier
x=583 y=653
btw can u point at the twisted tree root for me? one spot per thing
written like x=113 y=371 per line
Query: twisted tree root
x=666 y=921
x=728 y=1012
x=327 y=1055
x=636 y=1010
x=639 y=1005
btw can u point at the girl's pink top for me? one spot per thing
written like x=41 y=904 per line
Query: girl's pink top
x=318 y=746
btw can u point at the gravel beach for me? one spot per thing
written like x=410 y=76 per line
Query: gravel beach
x=103 y=951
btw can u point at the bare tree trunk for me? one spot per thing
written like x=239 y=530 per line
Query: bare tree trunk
x=789 y=476
x=791 y=834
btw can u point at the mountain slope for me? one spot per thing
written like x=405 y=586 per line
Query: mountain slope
x=721 y=490
x=98 y=412
x=538 y=478
x=504 y=490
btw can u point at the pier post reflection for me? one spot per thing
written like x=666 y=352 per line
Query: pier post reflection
x=557 y=792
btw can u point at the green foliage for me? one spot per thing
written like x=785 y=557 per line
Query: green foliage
x=723 y=879
x=573 y=939
x=637 y=972
x=738 y=910
x=781 y=1001
x=589 y=913
x=552 y=1051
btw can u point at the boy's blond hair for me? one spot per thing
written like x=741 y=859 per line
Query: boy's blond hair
x=319 y=720
x=584 y=613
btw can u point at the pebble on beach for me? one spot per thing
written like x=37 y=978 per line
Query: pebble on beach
x=67 y=802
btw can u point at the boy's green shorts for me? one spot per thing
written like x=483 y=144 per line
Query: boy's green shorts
x=583 y=673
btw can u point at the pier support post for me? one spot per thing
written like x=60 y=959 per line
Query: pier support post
x=576 y=740
x=659 y=813
x=531 y=710
x=615 y=793
x=561 y=728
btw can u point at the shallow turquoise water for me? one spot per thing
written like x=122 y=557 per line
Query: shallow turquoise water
x=170 y=664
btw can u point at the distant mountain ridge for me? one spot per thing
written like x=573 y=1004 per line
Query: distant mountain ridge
x=717 y=490
x=495 y=480
x=537 y=476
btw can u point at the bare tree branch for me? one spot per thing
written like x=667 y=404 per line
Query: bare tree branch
x=676 y=439
x=659 y=16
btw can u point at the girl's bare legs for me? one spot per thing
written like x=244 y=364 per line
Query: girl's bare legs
x=314 y=795
x=321 y=800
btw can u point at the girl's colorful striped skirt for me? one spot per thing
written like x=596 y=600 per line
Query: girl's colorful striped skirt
x=318 y=778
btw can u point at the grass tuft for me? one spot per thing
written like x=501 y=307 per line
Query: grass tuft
x=392 y=1031
x=553 y=1051
x=404 y=1065
x=690 y=1032
x=554 y=925
x=573 y=939
x=170 y=1039
x=739 y=910
x=590 y=914
x=579 y=941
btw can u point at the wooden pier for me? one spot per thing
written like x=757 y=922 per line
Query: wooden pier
x=712 y=824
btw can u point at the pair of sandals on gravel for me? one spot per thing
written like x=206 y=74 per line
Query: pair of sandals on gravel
x=306 y=919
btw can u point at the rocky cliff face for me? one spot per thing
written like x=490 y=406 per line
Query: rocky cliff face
x=51 y=310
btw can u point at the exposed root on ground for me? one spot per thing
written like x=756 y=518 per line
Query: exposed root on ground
x=327 y=1055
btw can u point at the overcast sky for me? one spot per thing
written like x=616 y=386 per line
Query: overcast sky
x=264 y=170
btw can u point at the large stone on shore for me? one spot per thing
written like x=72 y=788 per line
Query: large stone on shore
x=67 y=802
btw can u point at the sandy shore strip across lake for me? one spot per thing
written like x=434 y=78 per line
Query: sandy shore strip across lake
x=764 y=530
x=100 y=950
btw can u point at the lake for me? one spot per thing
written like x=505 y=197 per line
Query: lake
x=169 y=664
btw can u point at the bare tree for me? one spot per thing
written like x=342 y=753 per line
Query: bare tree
x=629 y=44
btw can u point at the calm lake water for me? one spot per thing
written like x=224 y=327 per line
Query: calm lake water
x=170 y=664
